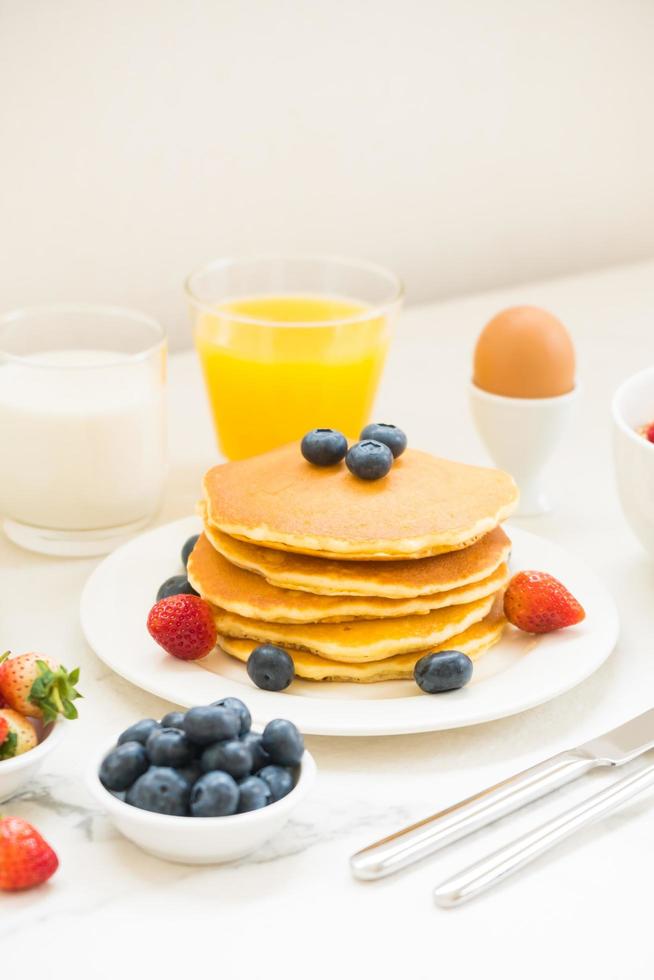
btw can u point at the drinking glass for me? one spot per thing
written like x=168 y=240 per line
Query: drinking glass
x=289 y=344
x=82 y=426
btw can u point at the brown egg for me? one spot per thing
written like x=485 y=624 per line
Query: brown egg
x=525 y=352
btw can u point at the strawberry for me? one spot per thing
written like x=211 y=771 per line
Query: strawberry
x=21 y=735
x=184 y=626
x=38 y=686
x=26 y=859
x=4 y=732
x=538 y=603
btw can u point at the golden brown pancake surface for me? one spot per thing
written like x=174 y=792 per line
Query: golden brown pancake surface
x=474 y=641
x=424 y=505
x=390 y=579
x=361 y=640
x=247 y=594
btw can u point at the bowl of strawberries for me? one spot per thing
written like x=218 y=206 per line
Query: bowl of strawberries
x=36 y=697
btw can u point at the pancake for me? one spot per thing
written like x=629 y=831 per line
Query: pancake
x=246 y=594
x=425 y=505
x=389 y=579
x=362 y=640
x=474 y=641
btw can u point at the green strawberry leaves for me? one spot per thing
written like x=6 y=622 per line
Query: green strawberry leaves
x=54 y=691
x=8 y=747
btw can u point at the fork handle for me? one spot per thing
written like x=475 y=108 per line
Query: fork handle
x=495 y=867
x=421 y=839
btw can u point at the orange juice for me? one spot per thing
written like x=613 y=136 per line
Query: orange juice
x=276 y=366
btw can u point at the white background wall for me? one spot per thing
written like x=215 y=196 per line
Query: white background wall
x=466 y=143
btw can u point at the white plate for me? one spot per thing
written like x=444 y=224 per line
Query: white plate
x=519 y=673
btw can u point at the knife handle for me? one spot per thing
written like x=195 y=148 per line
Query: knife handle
x=495 y=867
x=427 y=836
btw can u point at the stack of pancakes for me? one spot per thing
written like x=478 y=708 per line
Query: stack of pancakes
x=356 y=580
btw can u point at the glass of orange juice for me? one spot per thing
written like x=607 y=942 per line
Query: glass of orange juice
x=290 y=344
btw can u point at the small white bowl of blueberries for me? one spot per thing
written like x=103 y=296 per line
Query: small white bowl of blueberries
x=201 y=787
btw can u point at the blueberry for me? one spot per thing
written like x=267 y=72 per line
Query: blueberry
x=235 y=704
x=280 y=781
x=174 y=719
x=189 y=545
x=390 y=435
x=253 y=794
x=232 y=756
x=211 y=723
x=140 y=731
x=161 y=790
x=192 y=772
x=283 y=742
x=324 y=447
x=175 y=585
x=270 y=667
x=260 y=757
x=369 y=460
x=169 y=747
x=214 y=795
x=445 y=671
x=123 y=765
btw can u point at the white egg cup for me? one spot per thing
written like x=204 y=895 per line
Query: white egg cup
x=521 y=434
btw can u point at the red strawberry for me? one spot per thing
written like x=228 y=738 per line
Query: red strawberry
x=538 y=603
x=38 y=686
x=20 y=737
x=4 y=731
x=26 y=859
x=184 y=626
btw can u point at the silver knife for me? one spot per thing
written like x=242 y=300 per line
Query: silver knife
x=495 y=867
x=421 y=839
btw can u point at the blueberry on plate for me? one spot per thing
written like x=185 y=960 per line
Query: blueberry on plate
x=369 y=460
x=214 y=795
x=390 y=435
x=280 y=780
x=232 y=756
x=260 y=757
x=174 y=719
x=270 y=667
x=189 y=545
x=253 y=794
x=324 y=447
x=169 y=747
x=283 y=742
x=140 y=731
x=445 y=671
x=235 y=704
x=211 y=723
x=123 y=765
x=175 y=585
x=161 y=790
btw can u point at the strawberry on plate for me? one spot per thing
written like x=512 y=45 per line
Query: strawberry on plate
x=38 y=686
x=20 y=734
x=26 y=859
x=184 y=626
x=538 y=603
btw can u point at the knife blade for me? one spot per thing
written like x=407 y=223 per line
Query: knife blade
x=412 y=844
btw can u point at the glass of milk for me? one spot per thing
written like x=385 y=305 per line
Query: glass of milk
x=82 y=426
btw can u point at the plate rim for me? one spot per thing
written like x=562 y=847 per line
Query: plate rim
x=366 y=727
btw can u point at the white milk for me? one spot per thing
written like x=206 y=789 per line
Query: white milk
x=82 y=443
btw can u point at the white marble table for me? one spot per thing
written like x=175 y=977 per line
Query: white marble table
x=292 y=910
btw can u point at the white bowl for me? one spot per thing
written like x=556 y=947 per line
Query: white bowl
x=200 y=840
x=14 y=773
x=633 y=406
